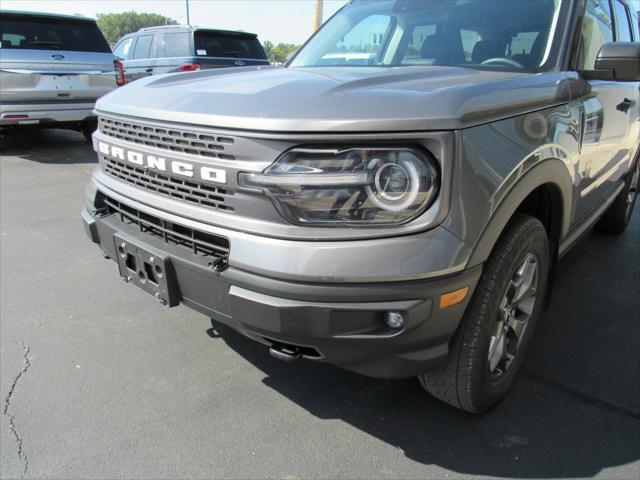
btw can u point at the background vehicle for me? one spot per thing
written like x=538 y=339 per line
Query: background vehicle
x=393 y=202
x=152 y=51
x=52 y=70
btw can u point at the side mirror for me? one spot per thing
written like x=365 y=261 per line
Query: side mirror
x=622 y=59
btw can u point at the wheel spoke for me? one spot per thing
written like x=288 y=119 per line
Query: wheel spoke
x=518 y=326
x=525 y=278
x=497 y=349
x=526 y=306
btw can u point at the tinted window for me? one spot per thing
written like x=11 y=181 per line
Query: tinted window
x=176 y=45
x=143 y=46
x=39 y=33
x=123 y=50
x=597 y=29
x=232 y=45
x=623 y=27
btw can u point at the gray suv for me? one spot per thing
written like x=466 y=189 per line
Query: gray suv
x=395 y=200
x=157 y=50
x=52 y=70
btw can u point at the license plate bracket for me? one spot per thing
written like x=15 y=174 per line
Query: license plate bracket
x=149 y=270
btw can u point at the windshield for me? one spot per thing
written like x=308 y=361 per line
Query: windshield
x=42 y=33
x=509 y=34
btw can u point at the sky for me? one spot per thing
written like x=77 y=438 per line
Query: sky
x=288 y=21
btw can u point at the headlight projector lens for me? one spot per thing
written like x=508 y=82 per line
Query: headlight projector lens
x=396 y=186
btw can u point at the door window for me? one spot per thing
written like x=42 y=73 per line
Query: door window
x=143 y=46
x=597 y=29
x=123 y=49
x=623 y=27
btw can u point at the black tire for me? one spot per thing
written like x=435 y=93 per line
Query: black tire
x=465 y=381
x=87 y=128
x=617 y=217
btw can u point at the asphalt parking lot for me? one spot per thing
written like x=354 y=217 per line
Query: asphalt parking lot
x=98 y=381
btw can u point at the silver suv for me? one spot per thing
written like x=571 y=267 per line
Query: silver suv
x=53 y=68
x=395 y=200
x=180 y=48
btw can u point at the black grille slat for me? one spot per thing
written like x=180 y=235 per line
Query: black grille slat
x=174 y=139
x=203 y=195
x=198 y=242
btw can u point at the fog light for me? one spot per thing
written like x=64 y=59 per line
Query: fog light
x=395 y=320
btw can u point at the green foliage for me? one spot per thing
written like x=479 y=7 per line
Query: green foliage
x=268 y=48
x=115 y=25
x=280 y=52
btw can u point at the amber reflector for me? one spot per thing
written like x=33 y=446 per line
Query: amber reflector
x=453 y=298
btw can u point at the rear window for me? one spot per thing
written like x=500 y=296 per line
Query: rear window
x=217 y=44
x=39 y=33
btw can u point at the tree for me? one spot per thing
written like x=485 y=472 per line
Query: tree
x=281 y=52
x=268 y=48
x=116 y=25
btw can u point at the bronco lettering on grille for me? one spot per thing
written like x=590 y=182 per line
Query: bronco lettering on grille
x=183 y=169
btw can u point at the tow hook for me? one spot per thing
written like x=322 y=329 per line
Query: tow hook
x=218 y=265
x=285 y=353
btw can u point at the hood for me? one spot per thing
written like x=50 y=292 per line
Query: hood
x=344 y=99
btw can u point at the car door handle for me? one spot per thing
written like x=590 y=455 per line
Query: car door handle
x=625 y=105
x=148 y=70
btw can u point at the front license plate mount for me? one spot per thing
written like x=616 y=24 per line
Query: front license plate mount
x=149 y=270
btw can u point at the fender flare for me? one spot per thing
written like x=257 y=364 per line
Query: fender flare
x=552 y=171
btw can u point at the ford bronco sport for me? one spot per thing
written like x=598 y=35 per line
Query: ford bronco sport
x=395 y=200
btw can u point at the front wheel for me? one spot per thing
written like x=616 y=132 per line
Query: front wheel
x=490 y=344
x=87 y=128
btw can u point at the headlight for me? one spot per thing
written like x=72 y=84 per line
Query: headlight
x=355 y=186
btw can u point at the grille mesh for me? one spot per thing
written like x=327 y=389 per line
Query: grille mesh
x=167 y=138
x=199 y=194
x=200 y=243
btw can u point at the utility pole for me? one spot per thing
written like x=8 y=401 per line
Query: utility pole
x=187 y=4
x=317 y=15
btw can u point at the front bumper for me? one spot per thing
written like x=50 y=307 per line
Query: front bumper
x=339 y=323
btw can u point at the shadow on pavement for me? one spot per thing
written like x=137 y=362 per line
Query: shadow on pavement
x=54 y=146
x=572 y=411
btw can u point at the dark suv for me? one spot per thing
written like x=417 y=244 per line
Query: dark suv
x=396 y=199
x=156 y=50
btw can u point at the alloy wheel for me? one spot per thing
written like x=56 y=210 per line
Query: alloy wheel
x=515 y=311
x=633 y=189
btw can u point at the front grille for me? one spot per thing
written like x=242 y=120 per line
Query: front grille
x=198 y=242
x=167 y=137
x=199 y=194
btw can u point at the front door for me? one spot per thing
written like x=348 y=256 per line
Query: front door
x=608 y=112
